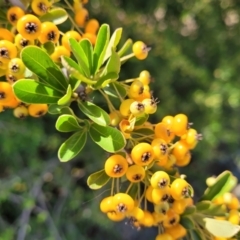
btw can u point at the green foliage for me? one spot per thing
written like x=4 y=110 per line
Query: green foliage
x=72 y=146
x=31 y=91
x=95 y=113
x=67 y=123
x=221 y=228
x=98 y=179
x=195 y=71
x=222 y=185
x=67 y=97
x=100 y=47
x=40 y=63
x=55 y=15
x=109 y=138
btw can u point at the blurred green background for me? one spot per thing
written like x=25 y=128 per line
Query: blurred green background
x=194 y=61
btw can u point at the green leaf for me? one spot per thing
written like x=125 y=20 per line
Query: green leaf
x=95 y=113
x=56 y=109
x=100 y=47
x=82 y=78
x=203 y=205
x=67 y=123
x=55 y=15
x=88 y=50
x=72 y=146
x=114 y=40
x=113 y=65
x=70 y=65
x=221 y=228
x=108 y=138
x=228 y=187
x=74 y=82
x=49 y=47
x=141 y=119
x=187 y=222
x=142 y=132
x=106 y=79
x=115 y=90
x=67 y=97
x=30 y=91
x=126 y=46
x=214 y=210
x=189 y=210
x=218 y=187
x=40 y=63
x=80 y=56
x=97 y=180
x=196 y=235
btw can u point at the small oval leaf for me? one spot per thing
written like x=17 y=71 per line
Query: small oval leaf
x=56 y=109
x=141 y=120
x=114 y=40
x=72 y=146
x=80 y=56
x=55 y=15
x=67 y=97
x=203 y=205
x=31 y=91
x=97 y=180
x=189 y=210
x=95 y=113
x=70 y=65
x=86 y=45
x=142 y=132
x=126 y=46
x=218 y=187
x=40 y=63
x=221 y=228
x=104 y=80
x=108 y=138
x=100 y=46
x=67 y=123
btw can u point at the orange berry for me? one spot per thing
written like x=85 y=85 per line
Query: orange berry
x=135 y=173
x=81 y=17
x=40 y=7
x=49 y=32
x=20 y=112
x=180 y=189
x=180 y=124
x=140 y=50
x=91 y=37
x=5 y=34
x=37 y=110
x=6 y=93
x=92 y=26
x=13 y=14
x=116 y=166
x=123 y=203
x=7 y=51
x=29 y=26
x=142 y=154
x=107 y=204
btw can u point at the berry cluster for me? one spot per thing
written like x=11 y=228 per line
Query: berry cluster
x=28 y=29
x=144 y=157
